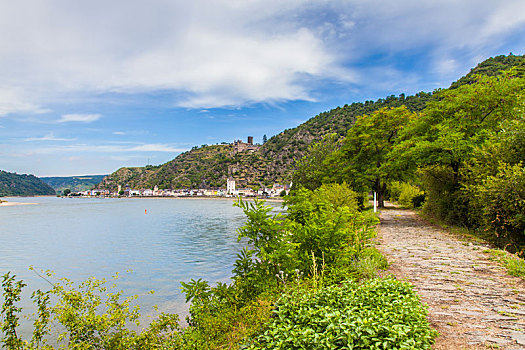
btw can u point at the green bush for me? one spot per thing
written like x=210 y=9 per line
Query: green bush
x=90 y=315
x=405 y=194
x=408 y=194
x=502 y=199
x=394 y=190
x=376 y=314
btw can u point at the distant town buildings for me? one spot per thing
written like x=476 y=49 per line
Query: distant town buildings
x=231 y=191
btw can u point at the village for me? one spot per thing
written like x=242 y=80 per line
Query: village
x=277 y=190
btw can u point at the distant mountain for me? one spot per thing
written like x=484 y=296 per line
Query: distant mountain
x=13 y=184
x=74 y=183
x=209 y=166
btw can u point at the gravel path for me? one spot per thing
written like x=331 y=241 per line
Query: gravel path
x=472 y=302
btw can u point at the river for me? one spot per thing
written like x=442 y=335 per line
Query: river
x=162 y=240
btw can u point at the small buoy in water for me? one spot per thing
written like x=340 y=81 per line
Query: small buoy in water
x=145 y=211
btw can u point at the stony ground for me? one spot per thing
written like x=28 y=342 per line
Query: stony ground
x=472 y=302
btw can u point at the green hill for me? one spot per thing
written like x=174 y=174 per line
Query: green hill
x=492 y=66
x=13 y=184
x=74 y=183
x=209 y=166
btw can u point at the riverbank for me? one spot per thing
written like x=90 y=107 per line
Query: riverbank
x=276 y=200
x=10 y=204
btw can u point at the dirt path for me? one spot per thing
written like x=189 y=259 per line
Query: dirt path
x=472 y=302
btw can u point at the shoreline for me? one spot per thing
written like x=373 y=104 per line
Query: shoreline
x=10 y=204
x=189 y=197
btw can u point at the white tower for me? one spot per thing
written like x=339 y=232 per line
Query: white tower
x=230 y=186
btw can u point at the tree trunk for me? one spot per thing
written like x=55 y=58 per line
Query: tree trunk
x=380 y=189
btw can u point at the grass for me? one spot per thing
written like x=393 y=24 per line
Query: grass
x=515 y=266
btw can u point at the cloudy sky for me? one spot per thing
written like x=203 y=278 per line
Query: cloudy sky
x=87 y=87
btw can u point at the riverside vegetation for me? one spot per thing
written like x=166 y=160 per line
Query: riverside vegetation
x=308 y=279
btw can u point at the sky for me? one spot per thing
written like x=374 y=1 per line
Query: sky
x=87 y=87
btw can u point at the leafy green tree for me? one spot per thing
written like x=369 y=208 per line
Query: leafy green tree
x=312 y=171
x=264 y=139
x=364 y=158
x=66 y=192
x=443 y=138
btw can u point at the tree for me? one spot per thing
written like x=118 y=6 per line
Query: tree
x=364 y=158
x=442 y=140
x=264 y=139
x=311 y=170
x=66 y=192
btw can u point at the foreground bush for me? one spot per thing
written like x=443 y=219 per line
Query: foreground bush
x=376 y=314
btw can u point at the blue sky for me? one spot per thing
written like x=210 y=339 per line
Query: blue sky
x=88 y=87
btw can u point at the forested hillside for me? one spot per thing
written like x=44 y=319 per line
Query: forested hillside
x=73 y=183
x=275 y=161
x=12 y=184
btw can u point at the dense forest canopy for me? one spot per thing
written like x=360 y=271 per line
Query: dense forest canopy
x=13 y=184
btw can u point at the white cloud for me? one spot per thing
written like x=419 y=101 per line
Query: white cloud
x=155 y=148
x=48 y=137
x=81 y=148
x=118 y=133
x=216 y=53
x=12 y=100
x=83 y=118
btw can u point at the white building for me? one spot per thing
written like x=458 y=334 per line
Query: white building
x=230 y=186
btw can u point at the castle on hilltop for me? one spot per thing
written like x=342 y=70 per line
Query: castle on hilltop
x=239 y=146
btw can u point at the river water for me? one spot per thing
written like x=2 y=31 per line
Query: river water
x=163 y=241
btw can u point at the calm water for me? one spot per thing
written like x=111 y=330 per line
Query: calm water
x=176 y=240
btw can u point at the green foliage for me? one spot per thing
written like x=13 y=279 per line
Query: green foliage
x=311 y=170
x=73 y=183
x=444 y=139
x=11 y=295
x=364 y=159
x=515 y=265
x=491 y=67
x=404 y=193
x=376 y=314
x=91 y=316
x=13 y=184
x=502 y=199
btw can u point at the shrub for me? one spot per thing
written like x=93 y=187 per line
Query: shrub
x=502 y=199
x=91 y=316
x=408 y=194
x=405 y=194
x=394 y=190
x=376 y=314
